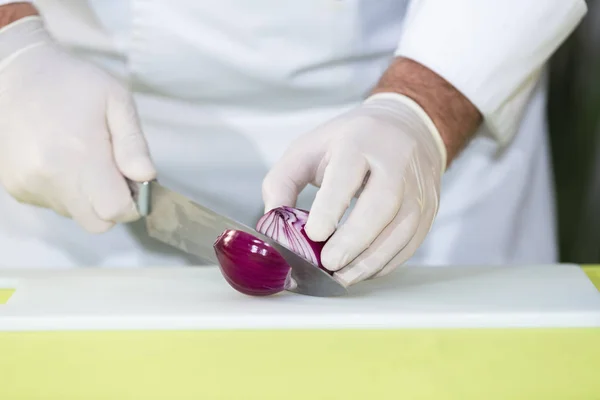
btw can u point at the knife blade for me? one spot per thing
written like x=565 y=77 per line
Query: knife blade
x=180 y=222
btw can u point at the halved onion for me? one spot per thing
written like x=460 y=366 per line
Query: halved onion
x=250 y=265
x=253 y=267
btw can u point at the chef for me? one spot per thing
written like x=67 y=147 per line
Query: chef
x=426 y=117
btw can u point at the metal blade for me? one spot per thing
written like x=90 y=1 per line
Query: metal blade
x=178 y=221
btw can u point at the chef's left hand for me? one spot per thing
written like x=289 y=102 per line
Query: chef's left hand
x=389 y=154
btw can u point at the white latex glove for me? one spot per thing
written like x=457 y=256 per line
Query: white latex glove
x=69 y=132
x=387 y=152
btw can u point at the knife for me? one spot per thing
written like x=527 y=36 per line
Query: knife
x=180 y=222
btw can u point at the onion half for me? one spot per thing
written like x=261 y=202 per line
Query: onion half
x=250 y=265
x=253 y=267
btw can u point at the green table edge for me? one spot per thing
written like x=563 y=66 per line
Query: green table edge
x=593 y=273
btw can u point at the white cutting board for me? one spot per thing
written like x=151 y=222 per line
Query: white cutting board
x=199 y=298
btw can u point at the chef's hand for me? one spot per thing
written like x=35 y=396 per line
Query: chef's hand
x=390 y=138
x=389 y=153
x=69 y=133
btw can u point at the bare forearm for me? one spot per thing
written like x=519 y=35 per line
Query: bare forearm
x=12 y=12
x=454 y=115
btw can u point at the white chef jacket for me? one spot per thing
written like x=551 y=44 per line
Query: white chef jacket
x=224 y=87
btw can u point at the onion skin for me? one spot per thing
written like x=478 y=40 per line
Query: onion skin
x=251 y=266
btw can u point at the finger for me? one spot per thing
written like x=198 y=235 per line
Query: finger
x=376 y=207
x=288 y=177
x=343 y=177
x=129 y=146
x=26 y=190
x=32 y=200
x=413 y=245
x=58 y=207
x=30 y=194
x=82 y=212
x=394 y=237
x=107 y=190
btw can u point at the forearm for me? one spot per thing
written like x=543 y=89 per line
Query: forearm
x=12 y=12
x=455 y=117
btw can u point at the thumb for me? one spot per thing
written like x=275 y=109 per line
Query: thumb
x=130 y=149
x=286 y=179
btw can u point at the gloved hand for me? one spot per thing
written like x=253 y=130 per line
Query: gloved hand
x=390 y=155
x=69 y=132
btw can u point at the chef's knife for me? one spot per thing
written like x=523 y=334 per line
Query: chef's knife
x=178 y=221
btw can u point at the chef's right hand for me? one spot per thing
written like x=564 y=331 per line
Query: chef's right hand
x=69 y=133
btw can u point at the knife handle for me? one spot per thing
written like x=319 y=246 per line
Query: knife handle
x=140 y=192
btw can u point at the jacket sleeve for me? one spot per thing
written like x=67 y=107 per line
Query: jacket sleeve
x=491 y=51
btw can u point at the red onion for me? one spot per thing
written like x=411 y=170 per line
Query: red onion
x=253 y=267
x=250 y=265
x=285 y=225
